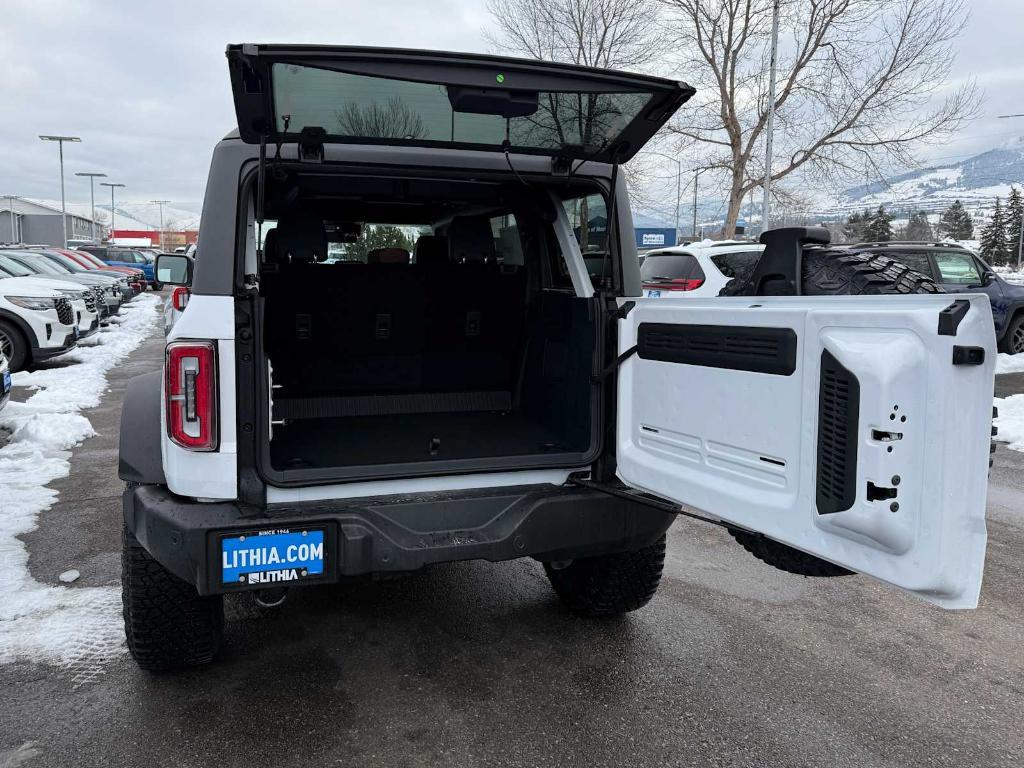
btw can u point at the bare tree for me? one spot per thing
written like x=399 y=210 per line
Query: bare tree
x=394 y=120
x=858 y=85
x=613 y=34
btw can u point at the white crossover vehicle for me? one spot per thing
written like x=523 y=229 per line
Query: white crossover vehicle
x=37 y=321
x=697 y=270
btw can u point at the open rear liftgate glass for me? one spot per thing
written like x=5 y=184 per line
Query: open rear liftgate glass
x=854 y=428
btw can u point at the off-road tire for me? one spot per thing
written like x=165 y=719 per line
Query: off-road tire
x=156 y=286
x=1013 y=340
x=829 y=273
x=786 y=558
x=167 y=623
x=609 y=585
x=13 y=341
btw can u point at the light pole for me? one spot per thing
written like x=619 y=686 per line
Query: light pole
x=108 y=184
x=696 y=179
x=92 y=197
x=770 y=128
x=161 y=203
x=60 y=148
x=10 y=208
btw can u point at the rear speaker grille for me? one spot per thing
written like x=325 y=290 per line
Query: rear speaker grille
x=838 y=416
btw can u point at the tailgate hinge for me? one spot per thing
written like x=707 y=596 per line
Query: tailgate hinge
x=620 y=313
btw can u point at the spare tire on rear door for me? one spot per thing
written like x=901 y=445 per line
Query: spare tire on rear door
x=828 y=272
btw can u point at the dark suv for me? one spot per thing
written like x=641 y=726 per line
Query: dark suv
x=959 y=270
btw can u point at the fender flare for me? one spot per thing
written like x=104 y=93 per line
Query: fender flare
x=1012 y=310
x=25 y=328
x=139 y=455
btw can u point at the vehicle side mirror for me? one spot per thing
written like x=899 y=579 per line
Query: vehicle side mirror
x=174 y=269
x=988 y=278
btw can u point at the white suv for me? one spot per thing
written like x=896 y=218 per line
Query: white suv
x=509 y=392
x=38 y=321
x=696 y=270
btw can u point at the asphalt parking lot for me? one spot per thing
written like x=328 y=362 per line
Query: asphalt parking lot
x=732 y=664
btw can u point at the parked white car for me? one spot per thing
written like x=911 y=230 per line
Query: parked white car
x=36 y=321
x=697 y=270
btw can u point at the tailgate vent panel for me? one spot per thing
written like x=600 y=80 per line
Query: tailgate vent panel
x=838 y=416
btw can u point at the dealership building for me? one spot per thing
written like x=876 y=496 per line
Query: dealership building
x=34 y=221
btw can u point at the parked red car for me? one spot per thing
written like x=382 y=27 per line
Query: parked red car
x=137 y=277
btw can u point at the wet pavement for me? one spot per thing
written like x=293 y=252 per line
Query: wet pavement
x=476 y=664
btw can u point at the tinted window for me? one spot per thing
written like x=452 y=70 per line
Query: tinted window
x=956 y=267
x=733 y=264
x=359 y=106
x=12 y=267
x=916 y=260
x=669 y=266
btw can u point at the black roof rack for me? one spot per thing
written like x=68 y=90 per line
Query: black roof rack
x=925 y=243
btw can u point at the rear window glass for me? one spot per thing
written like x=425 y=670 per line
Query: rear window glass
x=359 y=106
x=733 y=264
x=916 y=260
x=669 y=266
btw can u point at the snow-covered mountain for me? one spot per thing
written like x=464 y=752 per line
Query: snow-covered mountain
x=976 y=181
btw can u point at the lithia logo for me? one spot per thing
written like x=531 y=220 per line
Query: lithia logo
x=269 y=577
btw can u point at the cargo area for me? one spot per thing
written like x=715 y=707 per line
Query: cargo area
x=461 y=348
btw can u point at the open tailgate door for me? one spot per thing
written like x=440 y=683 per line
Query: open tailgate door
x=856 y=429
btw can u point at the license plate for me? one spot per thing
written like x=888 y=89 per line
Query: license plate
x=6 y=387
x=272 y=557
x=654 y=294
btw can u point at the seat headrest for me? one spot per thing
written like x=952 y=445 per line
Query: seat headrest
x=271 y=252
x=431 y=250
x=301 y=238
x=387 y=256
x=471 y=240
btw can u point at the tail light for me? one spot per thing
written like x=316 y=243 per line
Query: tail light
x=191 y=369
x=179 y=298
x=678 y=284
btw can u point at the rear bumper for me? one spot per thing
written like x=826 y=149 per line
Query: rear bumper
x=399 y=533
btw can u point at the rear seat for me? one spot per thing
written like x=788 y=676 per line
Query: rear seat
x=453 y=322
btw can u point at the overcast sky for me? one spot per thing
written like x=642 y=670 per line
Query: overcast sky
x=145 y=84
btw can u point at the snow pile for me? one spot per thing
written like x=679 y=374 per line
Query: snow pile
x=1009 y=363
x=73 y=627
x=1010 y=421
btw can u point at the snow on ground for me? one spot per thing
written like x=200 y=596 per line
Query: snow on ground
x=1010 y=421
x=72 y=627
x=1009 y=363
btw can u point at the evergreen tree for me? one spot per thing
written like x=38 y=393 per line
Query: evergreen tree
x=918 y=228
x=993 y=237
x=879 y=226
x=956 y=222
x=1014 y=220
x=853 y=229
x=377 y=236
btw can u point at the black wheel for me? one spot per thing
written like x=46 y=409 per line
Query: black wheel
x=157 y=286
x=167 y=623
x=14 y=346
x=1013 y=339
x=786 y=558
x=829 y=273
x=609 y=585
